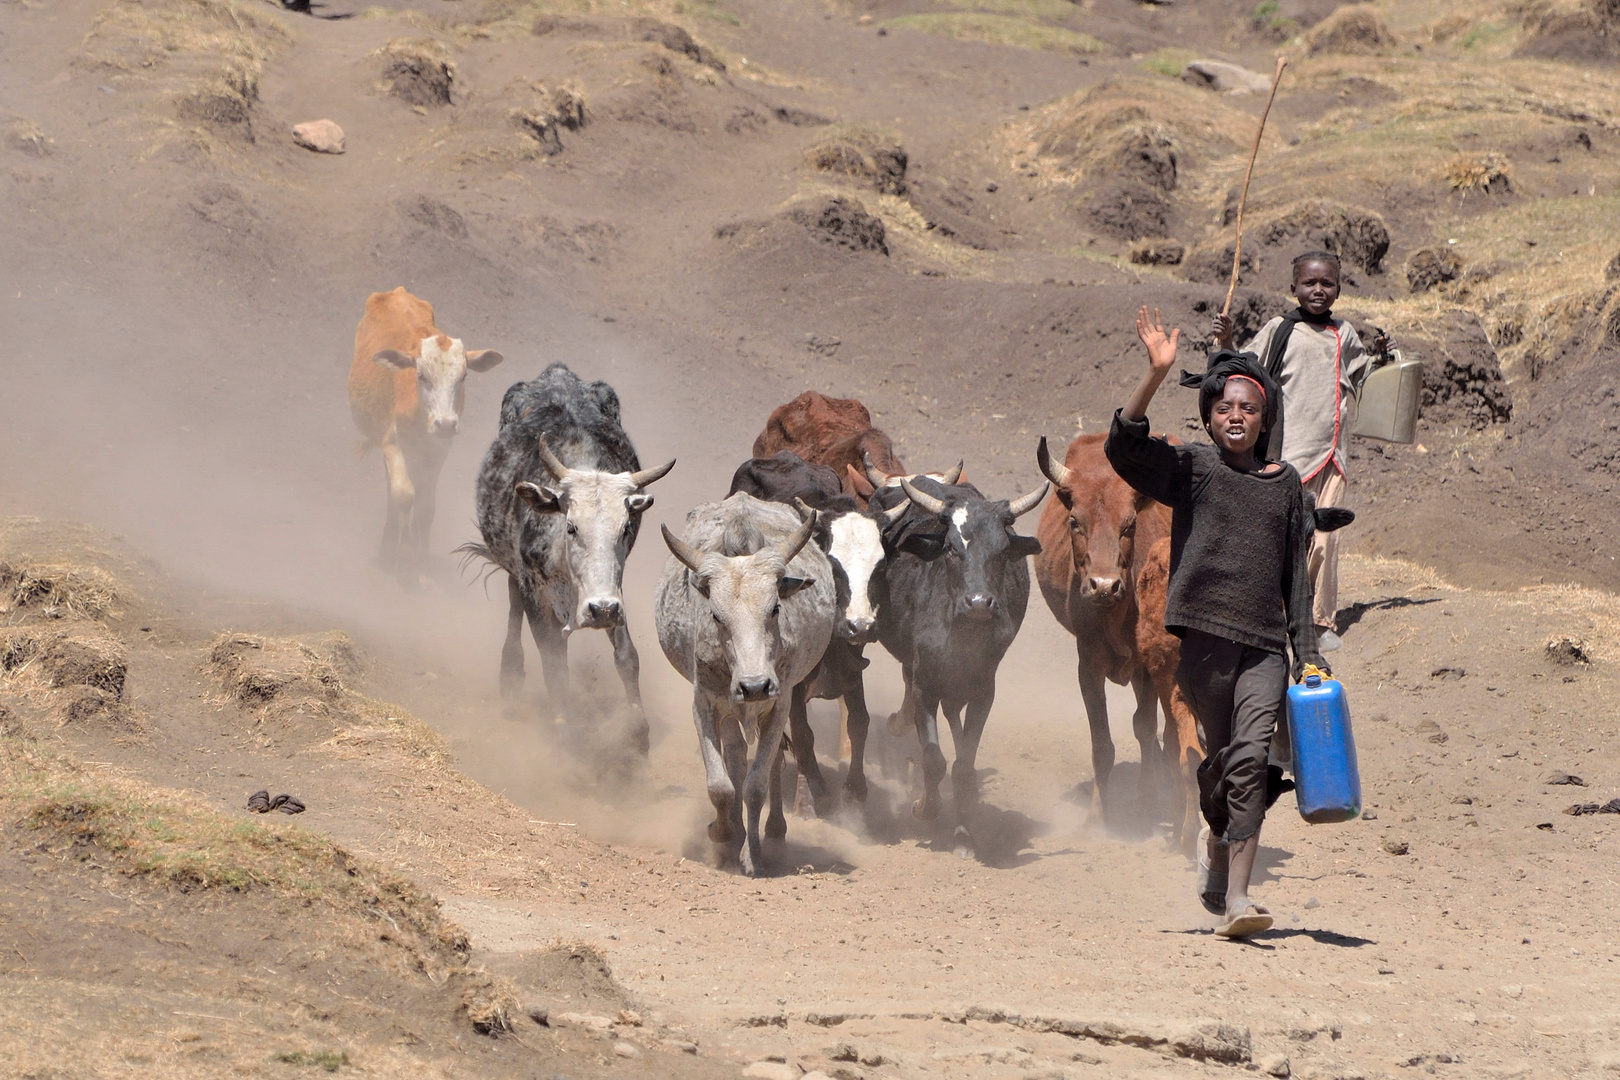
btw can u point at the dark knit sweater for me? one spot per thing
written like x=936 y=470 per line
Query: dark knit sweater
x=1238 y=542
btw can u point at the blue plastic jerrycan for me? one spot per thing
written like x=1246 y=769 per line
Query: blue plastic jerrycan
x=1325 y=772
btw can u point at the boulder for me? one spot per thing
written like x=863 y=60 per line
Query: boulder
x=321 y=136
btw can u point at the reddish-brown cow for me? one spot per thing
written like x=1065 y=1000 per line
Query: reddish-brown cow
x=405 y=393
x=1096 y=538
x=837 y=433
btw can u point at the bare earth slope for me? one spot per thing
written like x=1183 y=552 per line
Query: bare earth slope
x=948 y=209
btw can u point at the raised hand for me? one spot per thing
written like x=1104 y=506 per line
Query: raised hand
x=1161 y=347
x=1221 y=328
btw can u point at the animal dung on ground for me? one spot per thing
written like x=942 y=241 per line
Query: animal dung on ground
x=321 y=136
x=1557 y=778
x=1397 y=847
x=260 y=802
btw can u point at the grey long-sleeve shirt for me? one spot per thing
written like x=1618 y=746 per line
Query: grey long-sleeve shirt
x=1320 y=372
x=1238 y=542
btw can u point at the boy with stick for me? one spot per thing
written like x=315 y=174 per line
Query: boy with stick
x=1320 y=363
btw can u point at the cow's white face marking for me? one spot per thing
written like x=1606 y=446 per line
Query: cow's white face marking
x=440 y=373
x=599 y=508
x=746 y=605
x=857 y=545
x=959 y=519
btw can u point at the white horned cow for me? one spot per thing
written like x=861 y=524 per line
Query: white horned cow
x=406 y=388
x=560 y=498
x=745 y=610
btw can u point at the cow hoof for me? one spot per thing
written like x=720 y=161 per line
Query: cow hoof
x=719 y=832
x=775 y=828
x=963 y=844
x=924 y=810
x=855 y=788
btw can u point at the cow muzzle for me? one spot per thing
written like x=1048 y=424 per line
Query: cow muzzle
x=978 y=606
x=444 y=429
x=856 y=629
x=601 y=613
x=1104 y=590
x=761 y=688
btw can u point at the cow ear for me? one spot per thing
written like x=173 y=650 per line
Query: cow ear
x=483 y=359
x=639 y=502
x=393 y=360
x=859 y=484
x=925 y=547
x=540 y=499
x=700 y=582
x=790 y=585
x=1025 y=545
x=1139 y=501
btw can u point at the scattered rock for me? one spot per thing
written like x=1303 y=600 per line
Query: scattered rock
x=1276 y=1065
x=1151 y=252
x=1432 y=731
x=1396 y=847
x=321 y=136
x=1610 y=807
x=626 y=1049
x=1228 y=78
x=872 y=1059
x=772 y=1070
x=582 y=1020
x=540 y=1014
x=629 y=1018
x=1449 y=674
x=1353 y=30
x=1212 y=1040
x=1568 y=652
x=843 y=1052
x=1556 y=778
x=1428 y=267
x=29 y=138
x=1545 y=826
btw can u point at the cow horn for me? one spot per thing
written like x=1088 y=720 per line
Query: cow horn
x=806 y=512
x=876 y=478
x=923 y=500
x=952 y=475
x=1055 y=471
x=1025 y=503
x=797 y=541
x=681 y=549
x=649 y=476
x=558 y=469
x=892 y=514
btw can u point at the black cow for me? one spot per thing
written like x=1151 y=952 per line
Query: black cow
x=853 y=539
x=560 y=499
x=958 y=591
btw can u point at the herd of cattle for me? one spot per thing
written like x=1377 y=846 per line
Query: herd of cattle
x=825 y=543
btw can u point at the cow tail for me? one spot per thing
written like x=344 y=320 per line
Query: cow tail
x=470 y=555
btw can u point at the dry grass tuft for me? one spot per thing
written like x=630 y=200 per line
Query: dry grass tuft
x=872 y=157
x=993 y=29
x=490 y=1001
x=1137 y=126
x=418 y=71
x=59 y=591
x=1353 y=30
x=1489 y=174
x=255 y=671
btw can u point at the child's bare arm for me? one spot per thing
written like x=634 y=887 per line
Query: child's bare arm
x=1161 y=349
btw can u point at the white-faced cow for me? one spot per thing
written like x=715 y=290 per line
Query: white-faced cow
x=560 y=498
x=405 y=393
x=958 y=591
x=745 y=609
x=853 y=540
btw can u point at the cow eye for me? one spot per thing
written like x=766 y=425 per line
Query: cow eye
x=573 y=530
x=1074 y=526
x=776 y=611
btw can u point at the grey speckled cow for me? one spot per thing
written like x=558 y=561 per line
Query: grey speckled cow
x=745 y=609
x=560 y=499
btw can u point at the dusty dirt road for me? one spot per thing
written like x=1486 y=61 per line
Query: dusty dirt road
x=181 y=302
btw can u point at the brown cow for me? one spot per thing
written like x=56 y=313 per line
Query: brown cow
x=1160 y=653
x=1096 y=538
x=837 y=433
x=405 y=392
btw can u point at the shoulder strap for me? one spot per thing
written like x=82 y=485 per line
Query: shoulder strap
x=1278 y=345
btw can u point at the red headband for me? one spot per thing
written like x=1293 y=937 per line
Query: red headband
x=1257 y=383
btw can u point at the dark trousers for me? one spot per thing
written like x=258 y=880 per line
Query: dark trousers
x=1236 y=692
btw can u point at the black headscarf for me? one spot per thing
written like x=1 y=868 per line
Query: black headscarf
x=1225 y=363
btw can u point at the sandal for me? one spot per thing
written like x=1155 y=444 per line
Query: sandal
x=1211 y=886
x=1252 y=919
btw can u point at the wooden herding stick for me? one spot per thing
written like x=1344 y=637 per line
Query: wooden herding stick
x=1243 y=200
